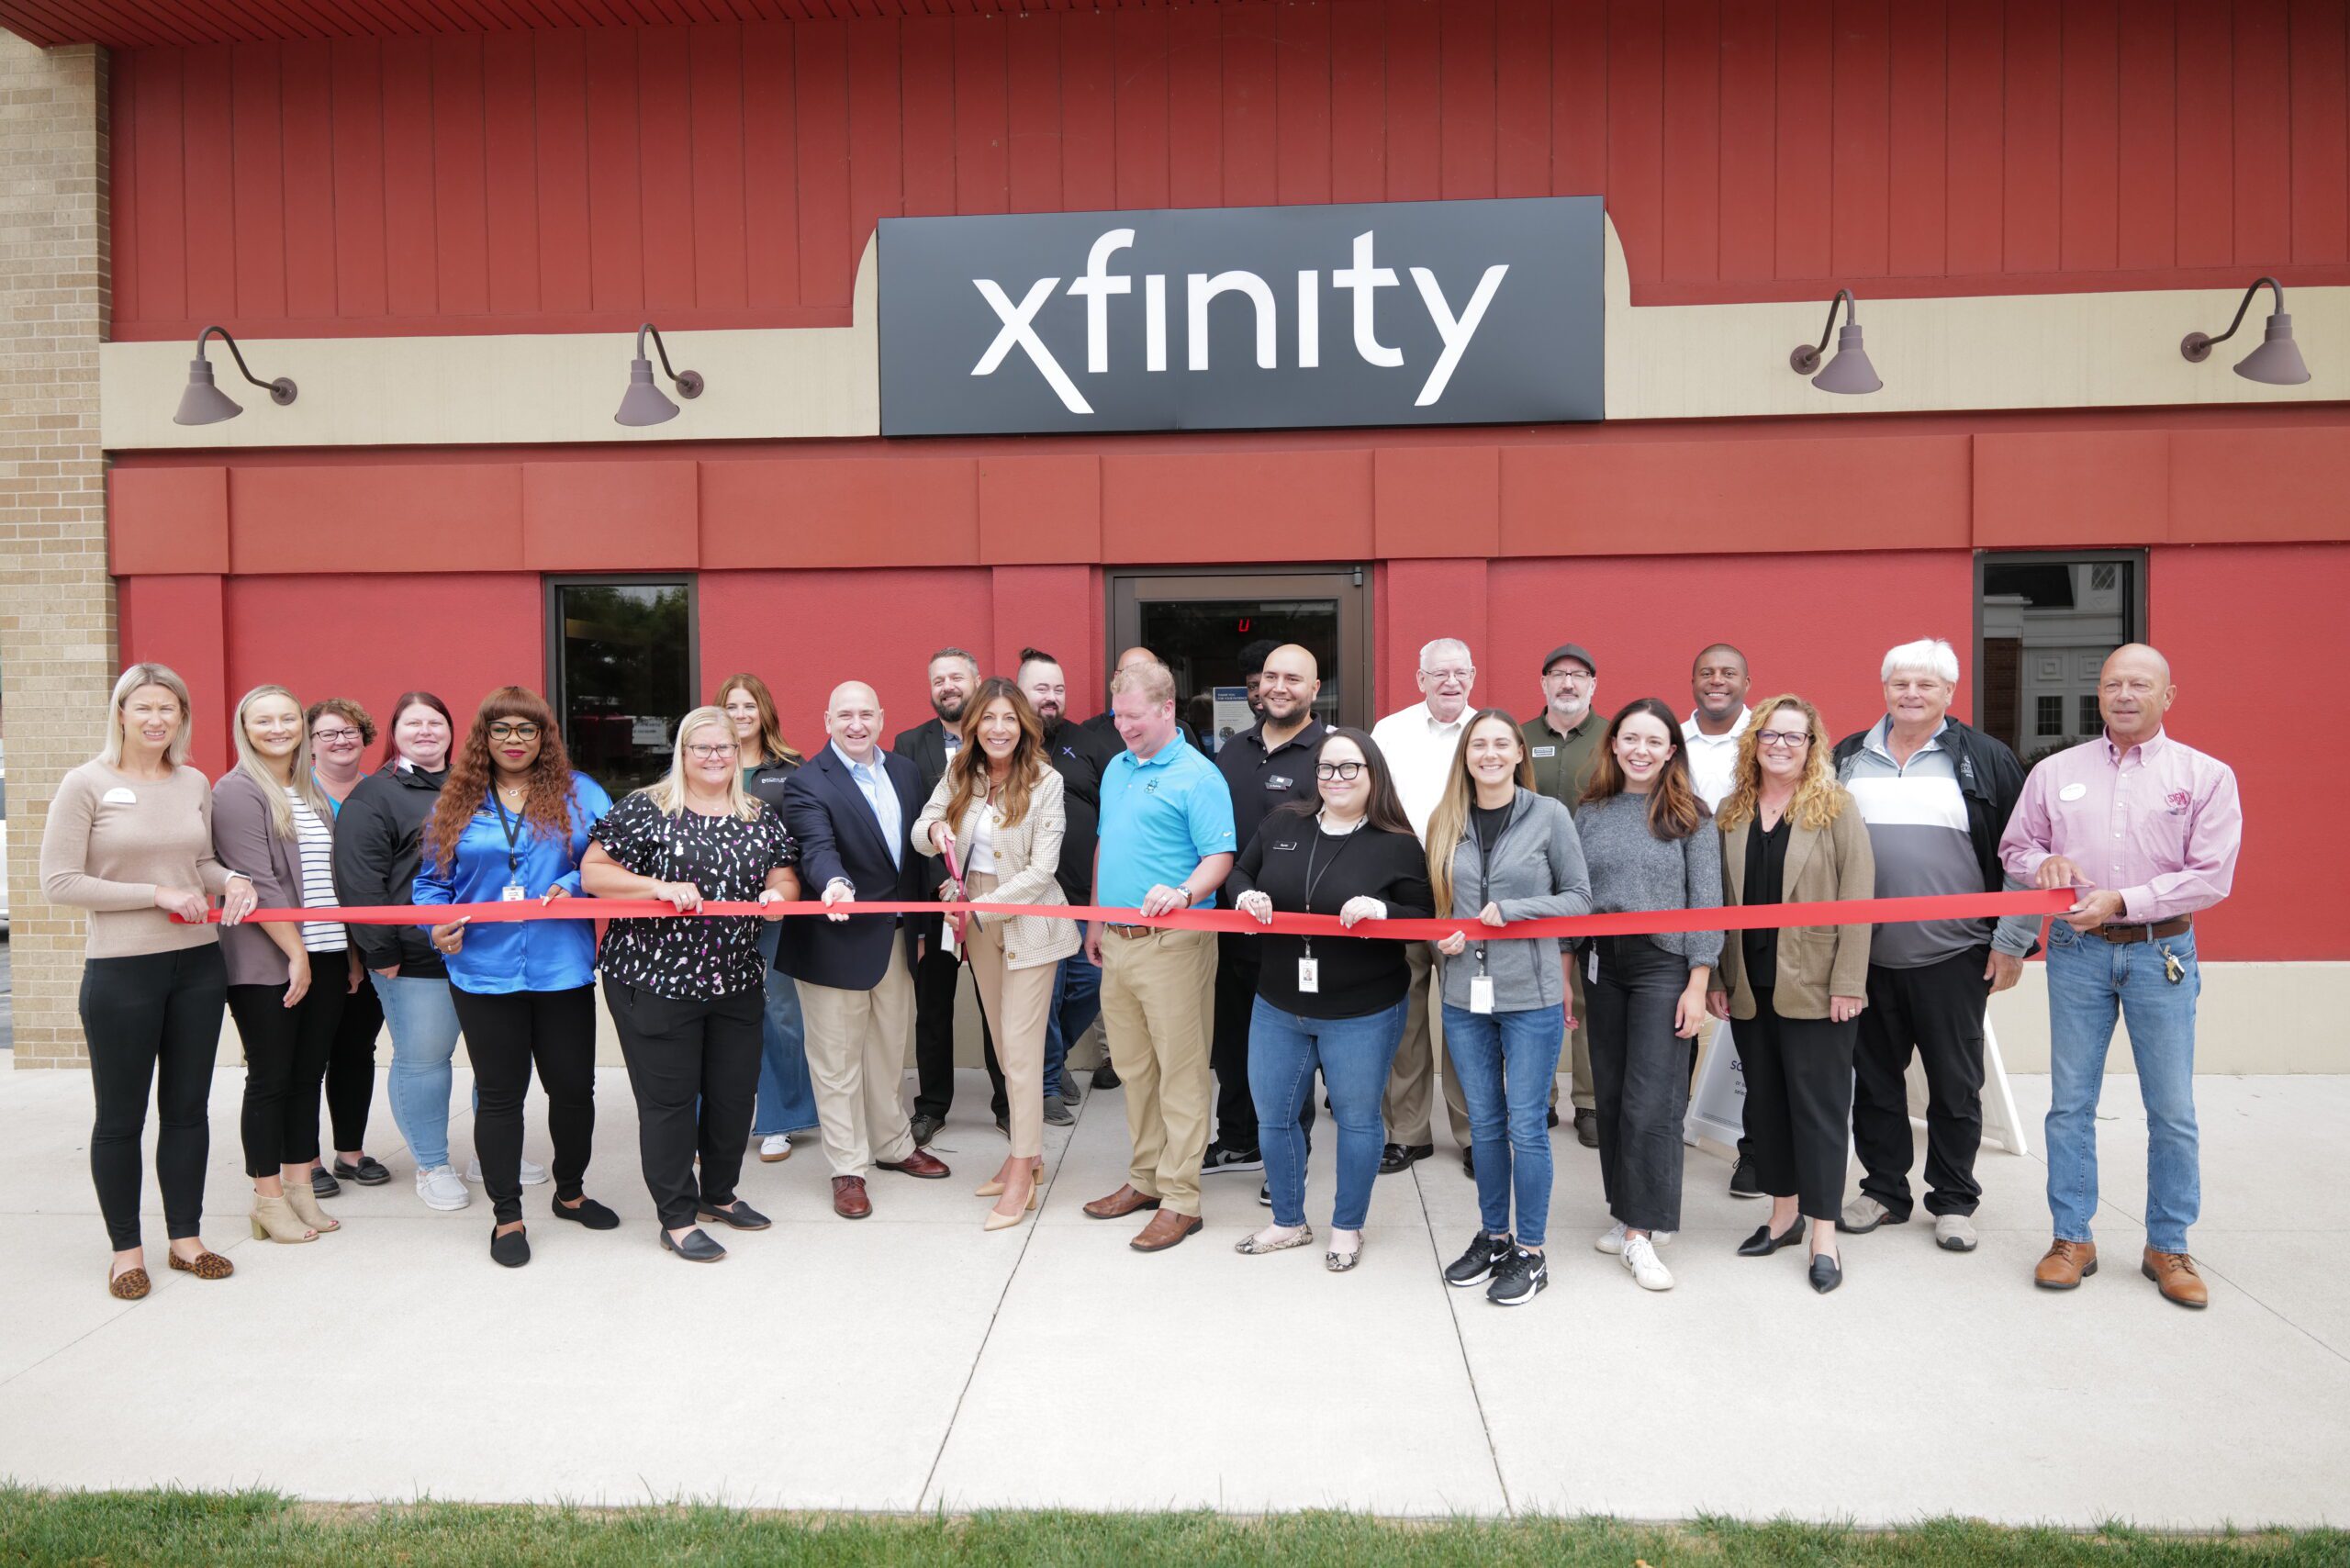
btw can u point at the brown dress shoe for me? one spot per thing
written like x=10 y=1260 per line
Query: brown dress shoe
x=1166 y=1228
x=1119 y=1204
x=2174 y=1274
x=849 y=1201
x=929 y=1166
x=2067 y=1264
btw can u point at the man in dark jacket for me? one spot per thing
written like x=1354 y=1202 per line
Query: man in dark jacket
x=1103 y=730
x=1936 y=796
x=930 y=746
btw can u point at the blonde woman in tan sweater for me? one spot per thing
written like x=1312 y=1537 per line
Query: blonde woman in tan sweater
x=129 y=839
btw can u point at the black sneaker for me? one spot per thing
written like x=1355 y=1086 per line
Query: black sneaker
x=1469 y=1163
x=1222 y=1156
x=1476 y=1266
x=1744 y=1183
x=1265 y=1193
x=1519 y=1278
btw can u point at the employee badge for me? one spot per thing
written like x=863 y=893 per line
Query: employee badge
x=1309 y=976
x=1481 y=993
x=513 y=892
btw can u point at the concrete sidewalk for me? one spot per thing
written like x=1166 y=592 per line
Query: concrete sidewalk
x=913 y=1363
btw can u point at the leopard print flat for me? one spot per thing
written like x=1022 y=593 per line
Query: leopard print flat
x=207 y=1266
x=132 y=1284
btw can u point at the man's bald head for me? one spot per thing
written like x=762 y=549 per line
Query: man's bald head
x=1135 y=655
x=2134 y=692
x=853 y=720
x=1286 y=688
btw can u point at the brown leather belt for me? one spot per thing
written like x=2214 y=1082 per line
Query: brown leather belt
x=2178 y=927
x=1130 y=930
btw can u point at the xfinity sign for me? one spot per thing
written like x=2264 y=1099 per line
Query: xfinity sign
x=1457 y=312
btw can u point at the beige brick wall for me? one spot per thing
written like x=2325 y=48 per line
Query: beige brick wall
x=57 y=604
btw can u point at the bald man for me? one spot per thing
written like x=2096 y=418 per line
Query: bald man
x=852 y=809
x=1102 y=727
x=1270 y=766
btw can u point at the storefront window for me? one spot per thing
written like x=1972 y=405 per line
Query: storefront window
x=2045 y=623
x=621 y=658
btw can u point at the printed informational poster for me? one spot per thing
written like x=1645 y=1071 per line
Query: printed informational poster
x=1232 y=716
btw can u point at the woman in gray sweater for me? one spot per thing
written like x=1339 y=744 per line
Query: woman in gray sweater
x=1650 y=847
x=1499 y=851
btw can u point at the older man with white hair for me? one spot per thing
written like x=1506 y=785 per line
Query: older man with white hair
x=1936 y=796
x=1419 y=743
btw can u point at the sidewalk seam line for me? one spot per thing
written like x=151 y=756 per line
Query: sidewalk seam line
x=1468 y=1369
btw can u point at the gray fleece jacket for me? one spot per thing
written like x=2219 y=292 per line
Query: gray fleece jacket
x=1537 y=871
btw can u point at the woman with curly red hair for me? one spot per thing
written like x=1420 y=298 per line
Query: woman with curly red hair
x=513 y=822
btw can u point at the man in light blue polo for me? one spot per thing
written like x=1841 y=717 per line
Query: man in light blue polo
x=1167 y=842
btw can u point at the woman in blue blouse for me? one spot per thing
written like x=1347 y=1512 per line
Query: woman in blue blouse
x=512 y=823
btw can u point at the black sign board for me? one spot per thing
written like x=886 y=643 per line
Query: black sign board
x=1399 y=313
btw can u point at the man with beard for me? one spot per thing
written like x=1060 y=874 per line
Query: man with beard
x=930 y=746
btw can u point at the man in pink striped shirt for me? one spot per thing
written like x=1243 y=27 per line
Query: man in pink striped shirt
x=2146 y=830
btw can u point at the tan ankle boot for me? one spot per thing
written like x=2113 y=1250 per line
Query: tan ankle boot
x=305 y=1204
x=275 y=1220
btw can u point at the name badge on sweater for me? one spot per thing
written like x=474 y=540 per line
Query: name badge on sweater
x=119 y=796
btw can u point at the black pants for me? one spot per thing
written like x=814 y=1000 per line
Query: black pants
x=1798 y=1102
x=1937 y=1010
x=351 y=1065
x=152 y=1024
x=505 y=1034
x=694 y=1066
x=1639 y=1079
x=285 y=1060
x=935 y=981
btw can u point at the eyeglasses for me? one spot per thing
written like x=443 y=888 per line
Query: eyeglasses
x=1344 y=772
x=1786 y=740
x=514 y=731
x=704 y=751
x=334 y=737
x=1463 y=676
x=1577 y=675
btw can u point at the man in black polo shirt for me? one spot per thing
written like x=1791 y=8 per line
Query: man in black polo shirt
x=1270 y=766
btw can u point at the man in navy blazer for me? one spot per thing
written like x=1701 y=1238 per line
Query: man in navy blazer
x=851 y=808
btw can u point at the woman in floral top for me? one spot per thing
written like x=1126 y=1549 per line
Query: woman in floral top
x=689 y=996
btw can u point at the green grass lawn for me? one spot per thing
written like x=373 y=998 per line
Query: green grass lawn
x=121 y=1528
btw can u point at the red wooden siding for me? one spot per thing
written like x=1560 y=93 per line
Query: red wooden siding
x=730 y=174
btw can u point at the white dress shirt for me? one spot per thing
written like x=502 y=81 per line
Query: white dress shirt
x=1713 y=759
x=1419 y=753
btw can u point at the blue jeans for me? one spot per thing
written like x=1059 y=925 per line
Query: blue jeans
x=1503 y=1063
x=786 y=1098
x=2089 y=980
x=1077 y=1001
x=1355 y=1056
x=423 y=1022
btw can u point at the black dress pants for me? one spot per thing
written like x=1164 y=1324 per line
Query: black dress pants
x=1639 y=1079
x=152 y=1024
x=1936 y=1010
x=935 y=981
x=351 y=1065
x=506 y=1034
x=285 y=1060
x=1798 y=1102
x=694 y=1066
x=1238 y=963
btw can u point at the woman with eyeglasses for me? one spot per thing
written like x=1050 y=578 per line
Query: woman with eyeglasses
x=786 y=1096
x=511 y=823
x=687 y=996
x=1791 y=834
x=340 y=733
x=1332 y=1002
x=1499 y=850
x=1651 y=848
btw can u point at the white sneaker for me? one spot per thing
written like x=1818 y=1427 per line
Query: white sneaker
x=1646 y=1269
x=1613 y=1242
x=775 y=1147
x=440 y=1189
x=532 y=1175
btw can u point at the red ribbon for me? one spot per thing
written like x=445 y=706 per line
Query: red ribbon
x=1744 y=917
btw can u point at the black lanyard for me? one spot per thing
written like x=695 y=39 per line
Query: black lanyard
x=1313 y=881
x=1485 y=866
x=513 y=826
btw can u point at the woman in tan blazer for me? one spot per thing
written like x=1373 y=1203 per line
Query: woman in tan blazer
x=1791 y=834
x=999 y=809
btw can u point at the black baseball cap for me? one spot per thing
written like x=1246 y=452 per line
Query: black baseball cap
x=1571 y=651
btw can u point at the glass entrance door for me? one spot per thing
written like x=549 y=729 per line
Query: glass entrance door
x=1205 y=625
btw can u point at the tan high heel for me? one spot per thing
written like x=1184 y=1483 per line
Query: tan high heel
x=993 y=1186
x=273 y=1219
x=306 y=1205
x=1005 y=1222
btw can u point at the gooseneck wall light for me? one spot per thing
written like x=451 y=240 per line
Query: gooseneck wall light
x=2276 y=361
x=645 y=403
x=203 y=403
x=1850 y=371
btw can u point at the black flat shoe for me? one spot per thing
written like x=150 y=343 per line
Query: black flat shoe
x=323 y=1184
x=1397 y=1157
x=1827 y=1273
x=696 y=1247
x=1469 y=1163
x=1761 y=1244
x=369 y=1172
x=738 y=1214
x=589 y=1212
x=512 y=1249
x=1105 y=1077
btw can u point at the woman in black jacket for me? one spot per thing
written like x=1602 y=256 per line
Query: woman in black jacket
x=786 y=1098
x=1334 y=1003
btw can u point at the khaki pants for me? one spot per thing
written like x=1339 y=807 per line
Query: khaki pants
x=1155 y=1014
x=1016 y=1003
x=856 y=1060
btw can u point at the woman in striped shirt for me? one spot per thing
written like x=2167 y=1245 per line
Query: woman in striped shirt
x=287 y=981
